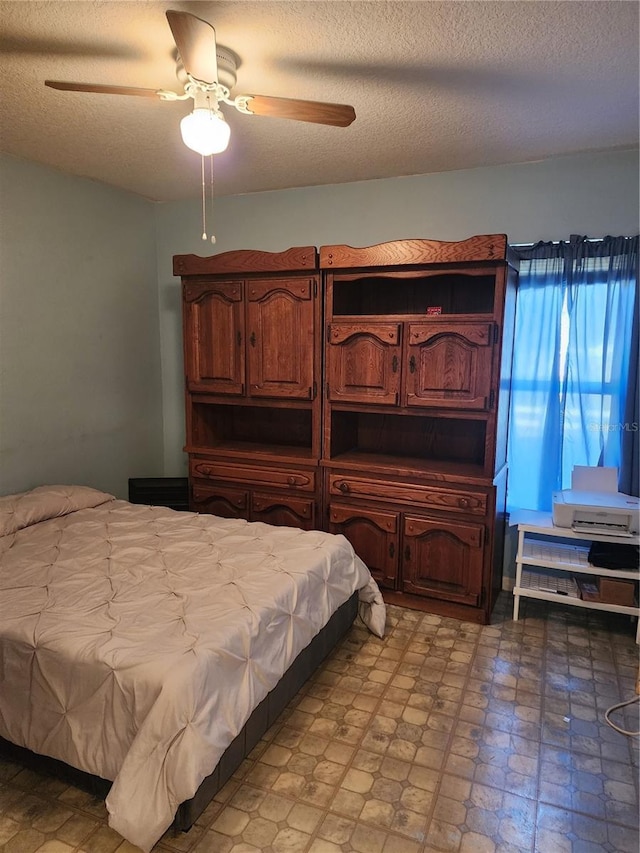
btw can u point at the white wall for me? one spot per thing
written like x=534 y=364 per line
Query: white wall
x=588 y=194
x=80 y=379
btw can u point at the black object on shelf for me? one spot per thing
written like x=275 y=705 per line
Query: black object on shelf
x=614 y=555
x=172 y=492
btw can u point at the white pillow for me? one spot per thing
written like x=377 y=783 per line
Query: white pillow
x=44 y=502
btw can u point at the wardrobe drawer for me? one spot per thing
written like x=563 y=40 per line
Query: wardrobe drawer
x=286 y=478
x=447 y=500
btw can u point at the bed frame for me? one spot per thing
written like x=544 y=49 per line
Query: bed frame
x=262 y=718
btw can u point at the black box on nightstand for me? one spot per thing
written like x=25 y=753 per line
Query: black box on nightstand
x=172 y=492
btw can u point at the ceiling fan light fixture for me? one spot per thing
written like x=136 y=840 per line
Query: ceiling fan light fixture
x=205 y=130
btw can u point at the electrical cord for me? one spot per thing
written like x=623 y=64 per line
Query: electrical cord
x=613 y=708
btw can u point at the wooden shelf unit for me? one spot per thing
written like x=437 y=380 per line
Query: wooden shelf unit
x=418 y=336
x=359 y=391
x=252 y=356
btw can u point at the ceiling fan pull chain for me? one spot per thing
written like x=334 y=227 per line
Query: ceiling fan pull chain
x=204 y=200
x=213 y=238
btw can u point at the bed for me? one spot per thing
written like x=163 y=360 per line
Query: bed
x=137 y=643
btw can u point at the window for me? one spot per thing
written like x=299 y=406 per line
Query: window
x=572 y=358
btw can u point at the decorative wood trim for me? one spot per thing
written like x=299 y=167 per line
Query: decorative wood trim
x=296 y=259
x=484 y=247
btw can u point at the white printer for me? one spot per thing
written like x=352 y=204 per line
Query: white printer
x=594 y=505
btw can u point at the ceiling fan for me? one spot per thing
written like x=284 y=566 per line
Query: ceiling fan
x=208 y=73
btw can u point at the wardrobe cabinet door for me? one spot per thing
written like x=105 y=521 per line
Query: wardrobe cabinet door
x=280 y=335
x=224 y=501
x=363 y=363
x=374 y=536
x=214 y=337
x=283 y=510
x=443 y=559
x=449 y=365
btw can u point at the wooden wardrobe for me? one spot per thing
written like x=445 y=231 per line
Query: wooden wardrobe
x=362 y=391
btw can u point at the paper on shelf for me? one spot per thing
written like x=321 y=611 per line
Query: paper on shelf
x=559 y=583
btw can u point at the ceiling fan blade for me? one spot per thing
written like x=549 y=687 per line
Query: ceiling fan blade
x=196 y=43
x=338 y=115
x=101 y=90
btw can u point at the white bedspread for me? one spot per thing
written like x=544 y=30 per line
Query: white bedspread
x=135 y=641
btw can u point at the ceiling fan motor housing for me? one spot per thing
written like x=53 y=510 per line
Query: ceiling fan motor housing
x=228 y=64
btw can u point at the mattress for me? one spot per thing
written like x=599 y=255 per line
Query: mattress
x=135 y=641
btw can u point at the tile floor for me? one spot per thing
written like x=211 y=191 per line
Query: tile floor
x=444 y=736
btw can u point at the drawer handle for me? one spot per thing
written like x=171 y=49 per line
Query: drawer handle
x=291 y=481
x=463 y=502
x=392 y=549
x=394 y=364
x=344 y=487
x=412 y=364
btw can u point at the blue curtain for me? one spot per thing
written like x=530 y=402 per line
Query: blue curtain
x=573 y=359
x=630 y=463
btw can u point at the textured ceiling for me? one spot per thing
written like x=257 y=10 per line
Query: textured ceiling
x=436 y=86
